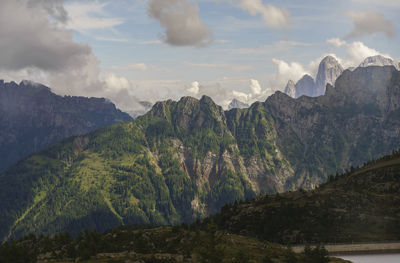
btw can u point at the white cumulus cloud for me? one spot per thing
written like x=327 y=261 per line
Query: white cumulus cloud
x=287 y=71
x=255 y=87
x=194 y=88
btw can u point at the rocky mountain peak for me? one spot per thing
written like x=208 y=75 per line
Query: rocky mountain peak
x=161 y=109
x=328 y=71
x=290 y=89
x=329 y=61
x=305 y=86
x=379 y=60
x=188 y=101
x=237 y=104
x=207 y=100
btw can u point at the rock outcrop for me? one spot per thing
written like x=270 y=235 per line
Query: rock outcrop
x=379 y=60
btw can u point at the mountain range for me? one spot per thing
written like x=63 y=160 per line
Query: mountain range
x=33 y=118
x=328 y=71
x=186 y=159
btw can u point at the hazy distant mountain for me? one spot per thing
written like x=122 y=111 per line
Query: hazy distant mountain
x=32 y=118
x=379 y=61
x=290 y=89
x=188 y=158
x=328 y=71
x=237 y=104
x=305 y=86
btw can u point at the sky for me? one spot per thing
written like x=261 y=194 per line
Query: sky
x=134 y=50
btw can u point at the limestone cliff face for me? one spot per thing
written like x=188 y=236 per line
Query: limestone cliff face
x=354 y=122
x=32 y=118
x=328 y=71
x=379 y=61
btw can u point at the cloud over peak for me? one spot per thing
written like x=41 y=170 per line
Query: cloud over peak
x=181 y=22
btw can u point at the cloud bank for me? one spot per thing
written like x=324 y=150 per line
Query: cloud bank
x=181 y=22
x=39 y=48
x=286 y=71
x=223 y=96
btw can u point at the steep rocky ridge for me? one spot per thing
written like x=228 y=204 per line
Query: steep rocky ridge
x=188 y=158
x=32 y=118
x=361 y=205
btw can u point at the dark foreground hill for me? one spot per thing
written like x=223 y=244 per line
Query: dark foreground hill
x=157 y=245
x=186 y=159
x=359 y=206
x=32 y=118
